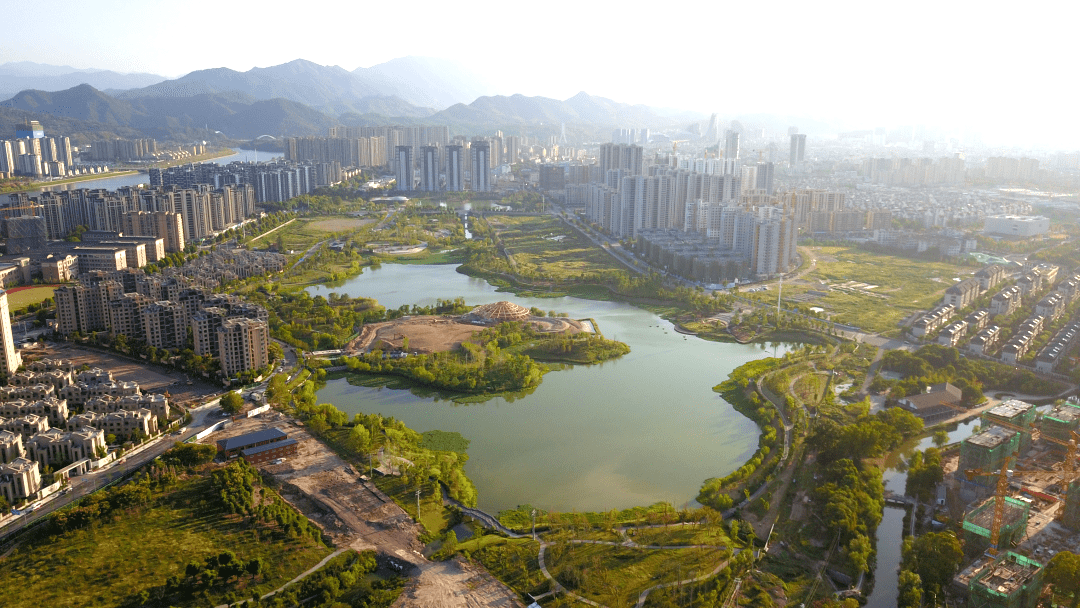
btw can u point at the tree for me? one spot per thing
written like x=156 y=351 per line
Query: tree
x=941 y=437
x=910 y=595
x=255 y=567
x=1063 y=572
x=232 y=403
x=859 y=550
x=935 y=558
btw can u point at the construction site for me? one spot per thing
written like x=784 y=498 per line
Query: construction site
x=351 y=510
x=432 y=334
x=1020 y=478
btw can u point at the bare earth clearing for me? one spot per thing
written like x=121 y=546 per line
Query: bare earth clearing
x=357 y=514
x=437 y=334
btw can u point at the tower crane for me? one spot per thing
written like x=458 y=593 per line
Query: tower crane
x=1001 y=490
x=1070 y=446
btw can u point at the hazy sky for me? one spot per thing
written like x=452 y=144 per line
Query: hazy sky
x=1005 y=70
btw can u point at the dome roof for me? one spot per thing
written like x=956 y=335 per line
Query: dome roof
x=502 y=311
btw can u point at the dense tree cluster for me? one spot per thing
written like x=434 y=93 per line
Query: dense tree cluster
x=189 y=454
x=101 y=506
x=715 y=491
x=934 y=363
x=934 y=558
x=852 y=499
x=869 y=436
x=924 y=474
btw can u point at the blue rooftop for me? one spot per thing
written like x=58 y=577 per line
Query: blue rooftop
x=242 y=440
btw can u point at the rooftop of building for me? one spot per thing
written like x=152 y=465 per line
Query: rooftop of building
x=239 y=441
x=1011 y=409
x=270 y=446
x=991 y=437
x=1068 y=413
x=1007 y=575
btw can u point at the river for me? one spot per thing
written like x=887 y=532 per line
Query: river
x=634 y=431
x=890 y=531
x=112 y=183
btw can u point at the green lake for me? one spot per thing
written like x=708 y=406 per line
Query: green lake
x=634 y=431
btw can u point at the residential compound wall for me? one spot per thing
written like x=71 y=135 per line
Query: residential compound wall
x=68 y=422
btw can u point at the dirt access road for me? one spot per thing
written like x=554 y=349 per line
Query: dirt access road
x=357 y=514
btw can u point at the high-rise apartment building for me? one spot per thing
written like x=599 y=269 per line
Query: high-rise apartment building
x=765 y=172
x=798 y=149
x=403 y=168
x=455 y=168
x=481 y=166
x=627 y=157
x=10 y=361
x=429 y=168
x=242 y=345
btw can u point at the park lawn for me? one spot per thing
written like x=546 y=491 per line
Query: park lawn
x=530 y=240
x=693 y=534
x=107 y=564
x=903 y=285
x=616 y=576
x=337 y=223
x=25 y=297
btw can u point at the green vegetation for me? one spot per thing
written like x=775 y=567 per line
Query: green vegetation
x=736 y=390
x=902 y=287
x=935 y=558
x=1063 y=572
x=616 y=575
x=495 y=363
x=19 y=299
x=934 y=364
x=443 y=441
x=129 y=545
x=397 y=446
x=232 y=403
x=924 y=474
x=344 y=581
x=189 y=454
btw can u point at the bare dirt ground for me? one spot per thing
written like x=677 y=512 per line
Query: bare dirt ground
x=430 y=334
x=151 y=378
x=357 y=514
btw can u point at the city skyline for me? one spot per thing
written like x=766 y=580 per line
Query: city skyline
x=951 y=67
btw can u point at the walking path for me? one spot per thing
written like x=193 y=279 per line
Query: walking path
x=298 y=578
x=272 y=230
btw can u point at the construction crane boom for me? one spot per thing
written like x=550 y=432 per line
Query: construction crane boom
x=1001 y=489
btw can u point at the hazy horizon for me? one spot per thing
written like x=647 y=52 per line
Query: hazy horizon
x=957 y=67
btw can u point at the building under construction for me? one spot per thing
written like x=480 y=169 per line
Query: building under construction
x=988 y=451
x=978 y=523
x=1006 y=581
x=1016 y=413
x=1060 y=423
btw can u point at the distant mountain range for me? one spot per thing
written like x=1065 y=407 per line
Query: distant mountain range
x=304 y=98
x=23 y=75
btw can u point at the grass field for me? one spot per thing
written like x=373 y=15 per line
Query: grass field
x=338 y=224
x=107 y=564
x=543 y=247
x=616 y=576
x=24 y=297
x=901 y=286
